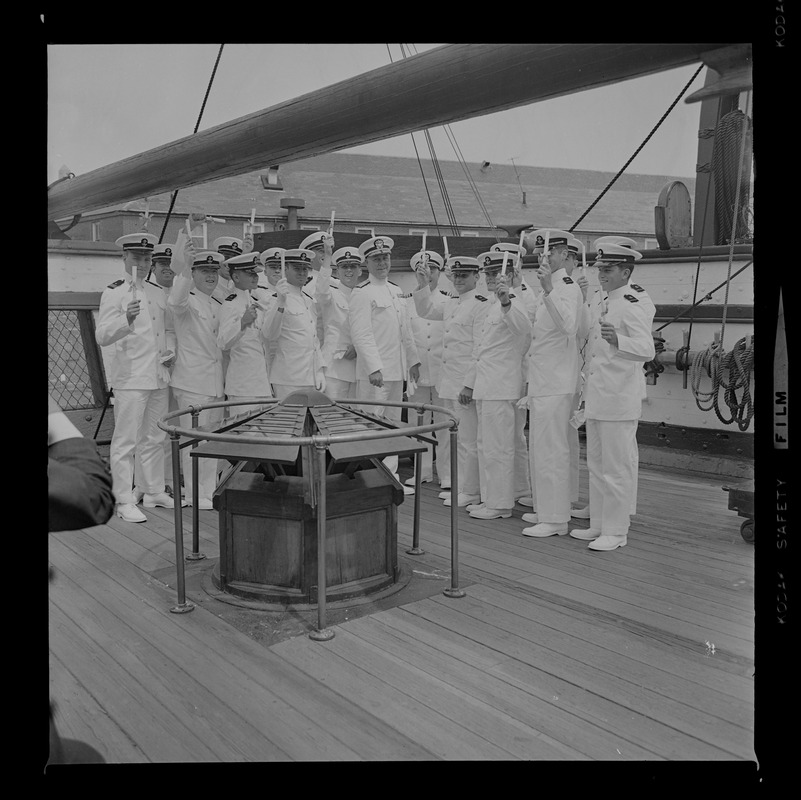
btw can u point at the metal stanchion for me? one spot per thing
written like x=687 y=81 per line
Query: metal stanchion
x=195 y=555
x=322 y=634
x=415 y=549
x=453 y=590
x=183 y=605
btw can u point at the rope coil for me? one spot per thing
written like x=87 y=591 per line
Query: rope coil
x=730 y=371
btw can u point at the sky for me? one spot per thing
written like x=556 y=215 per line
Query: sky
x=96 y=94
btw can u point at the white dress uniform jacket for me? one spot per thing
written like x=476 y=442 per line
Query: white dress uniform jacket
x=463 y=323
x=614 y=383
x=428 y=337
x=196 y=316
x=553 y=365
x=246 y=375
x=134 y=361
x=380 y=331
x=297 y=360
x=505 y=338
x=334 y=306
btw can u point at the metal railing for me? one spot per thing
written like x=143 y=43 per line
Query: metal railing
x=318 y=445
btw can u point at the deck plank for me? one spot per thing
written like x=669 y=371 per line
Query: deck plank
x=436 y=655
x=555 y=653
x=604 y=674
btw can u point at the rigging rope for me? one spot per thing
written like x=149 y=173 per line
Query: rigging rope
x=438 y=173
x=634 y=155
x=463 y=164
x=732 y=370
x=197 y=125
x=420 y=164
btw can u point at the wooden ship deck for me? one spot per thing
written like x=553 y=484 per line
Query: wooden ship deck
x=555 y=653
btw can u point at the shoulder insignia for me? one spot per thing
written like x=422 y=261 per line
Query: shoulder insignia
x=116 y=283
x=307 y=294
x=275 y=294
x=308 y=279
x=523 y=287
x=511 y=295
x=405 y=296
x=636 y=288
x=335 y=286
x=263 y=287
x=362 y=285
x=392 y=284
x=216 y=299
x=191 y=292
x=482 y=299
x=631 y=298
x=567 y=279
x=147 y=280
x=231 y=296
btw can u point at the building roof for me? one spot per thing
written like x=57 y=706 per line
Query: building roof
x=391 y=189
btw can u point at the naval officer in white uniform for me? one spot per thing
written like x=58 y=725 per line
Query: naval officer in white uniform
x=427 y=335
x=498 y=386
x=291 y=322
x=463 y=322
x=197 y=377
x=379 y=325
x=241 y=334
x=553 y=370
x=620 y=342
x=522 y=482
x=131 y=319
x=162 y=276
x=333 y=302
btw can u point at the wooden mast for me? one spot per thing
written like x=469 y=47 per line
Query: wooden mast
x=437 y=87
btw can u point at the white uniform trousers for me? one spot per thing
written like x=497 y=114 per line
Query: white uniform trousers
x=337 y=389
x=137 y=436
x=522 y=473
x=281 y=390
x=496 y=452
x=391 y=390
x=610 y=444
x=635 y=466
x=167 y=447
x=428 y=394
x=207 y=468
x=466 y=449
x=575 y=450
x=549 y=420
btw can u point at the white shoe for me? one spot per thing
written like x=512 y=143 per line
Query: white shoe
x=532 y=518
x=407 y=490
x=546 y=529
x=607 y=543
x=528 y=502
x=204 y=504
x=130 y=513
x=474 y=506
x=580 y=513
x=410 y=481
x=491 y=513
x=444 y=495
x=160 y=500
x=587 y=534
x=463 y=500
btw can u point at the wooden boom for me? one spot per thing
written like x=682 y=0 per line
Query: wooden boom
x=443 y=85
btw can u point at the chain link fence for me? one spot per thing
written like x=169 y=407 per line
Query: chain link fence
x=75 y=372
